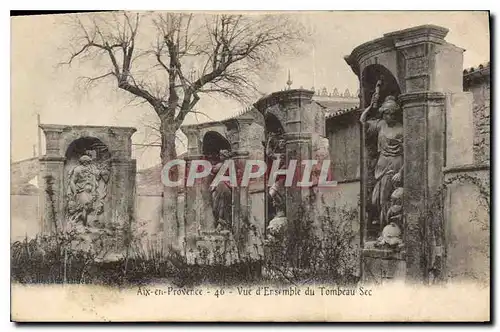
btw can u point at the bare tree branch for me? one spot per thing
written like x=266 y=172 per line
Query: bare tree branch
x=188 y=56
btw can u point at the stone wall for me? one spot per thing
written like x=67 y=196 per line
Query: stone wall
x=478 y=83
x=467 y=225
x=343 y=133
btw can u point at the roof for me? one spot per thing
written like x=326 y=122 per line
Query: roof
x=341 y=112
x=481 y=67
x=474 y=76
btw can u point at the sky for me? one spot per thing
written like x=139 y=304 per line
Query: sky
x=40 y=86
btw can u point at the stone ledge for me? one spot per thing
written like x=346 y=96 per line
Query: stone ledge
x=387 y=254
x=420 y=97
x=61 y=128
x=297 y=136
x=48 y=158
x=467 y=168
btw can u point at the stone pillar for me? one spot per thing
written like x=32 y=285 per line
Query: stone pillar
x=240 y=201
x=431 y=68
x=51 y=174
x=193 y=206
x=249 y=228
x=426 y=70
x=51 y=195
x=424 y=138
x=245 y=149
x=298 y=146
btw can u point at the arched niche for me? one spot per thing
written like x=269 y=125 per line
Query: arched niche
x=273 y=124
x=92 y=145
x=273 y=132
x=78 y=174
x=369 y=77
x=370 y=154
x=212 y=143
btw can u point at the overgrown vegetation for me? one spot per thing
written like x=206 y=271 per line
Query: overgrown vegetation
x=62 y=259
x=317 y=249
x=321 y=251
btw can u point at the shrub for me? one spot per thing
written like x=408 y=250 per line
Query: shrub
x=316 y=249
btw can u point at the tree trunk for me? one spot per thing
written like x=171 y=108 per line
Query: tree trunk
x=170 y=194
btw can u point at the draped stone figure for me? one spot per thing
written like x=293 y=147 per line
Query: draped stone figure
x=86 y=191
x=275 y=150
x=387 y=129
x=221 y=196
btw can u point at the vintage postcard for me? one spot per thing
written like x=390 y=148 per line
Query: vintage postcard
x=250 y=166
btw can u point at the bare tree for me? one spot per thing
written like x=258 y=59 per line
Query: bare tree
x=168 y=60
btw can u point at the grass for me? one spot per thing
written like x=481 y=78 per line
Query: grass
x=49 y=260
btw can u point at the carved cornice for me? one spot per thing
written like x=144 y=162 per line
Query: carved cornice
x=421 y=97
x=287 y=96
x=47 y=128
x=297 y=136
x=244 y=120
x=394 y=40
x=61 y=128
x=420 y=34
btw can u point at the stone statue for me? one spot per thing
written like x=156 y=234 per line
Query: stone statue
x=391 y=233
x=275 y=150
x=395 y=212
x=221 y=197
x=86 y=191
x=388 y=130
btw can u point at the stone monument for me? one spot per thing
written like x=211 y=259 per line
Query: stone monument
x=88 y=178
x=408 y=73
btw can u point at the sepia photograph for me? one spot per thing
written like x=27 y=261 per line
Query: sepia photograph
x=250 y=166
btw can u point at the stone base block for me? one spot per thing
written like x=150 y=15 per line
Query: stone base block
x=380 y=266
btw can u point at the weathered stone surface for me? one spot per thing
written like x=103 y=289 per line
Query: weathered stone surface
x=480 y=88
x=411 y=57
x=467 y=249
x=422 y=175
x=380 y=267
x=459 y=129
x=111 y=143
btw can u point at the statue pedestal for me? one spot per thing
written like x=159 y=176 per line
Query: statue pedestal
x=104 y=244
x=380 y=265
